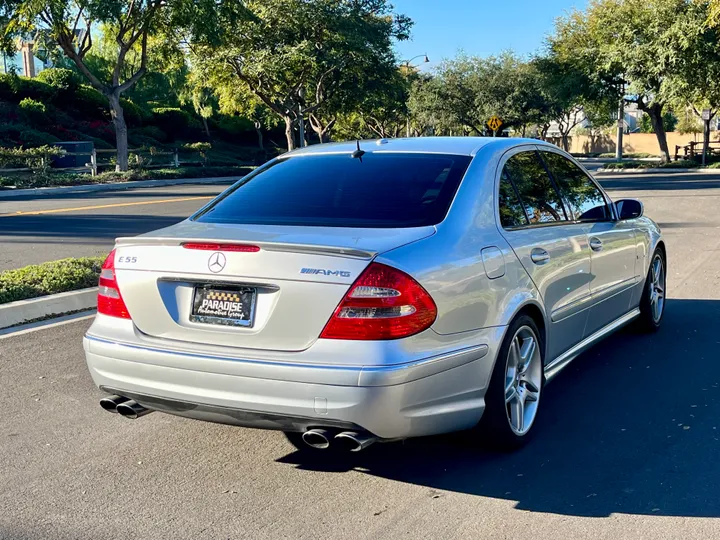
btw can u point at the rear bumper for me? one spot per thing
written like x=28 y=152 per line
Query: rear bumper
x=434 y=395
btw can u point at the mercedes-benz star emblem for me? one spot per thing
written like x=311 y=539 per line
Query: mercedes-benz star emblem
x=216 y=262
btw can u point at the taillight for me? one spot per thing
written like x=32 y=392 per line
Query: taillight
x=109 y=300
x=383 y=303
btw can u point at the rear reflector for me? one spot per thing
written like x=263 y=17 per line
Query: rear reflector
x=384 y=303
x=109 y=300
x=241 y=248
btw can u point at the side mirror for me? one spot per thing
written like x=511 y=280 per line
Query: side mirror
x=629 y=208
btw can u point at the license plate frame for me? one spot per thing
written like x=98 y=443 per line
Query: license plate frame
x=222 y=315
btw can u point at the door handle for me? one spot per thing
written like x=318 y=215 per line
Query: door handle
x=596 y=244
x=539 y=256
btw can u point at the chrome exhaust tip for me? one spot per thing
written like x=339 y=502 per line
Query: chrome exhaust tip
x=354 y=441
x=317 y=438
x=132 y=409
x=110 y=403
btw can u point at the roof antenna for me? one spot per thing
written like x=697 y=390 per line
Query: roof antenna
x=358 y=153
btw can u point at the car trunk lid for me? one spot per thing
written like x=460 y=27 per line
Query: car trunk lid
x=290 y=285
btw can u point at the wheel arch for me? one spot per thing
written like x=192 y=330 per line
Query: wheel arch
x=534 y=310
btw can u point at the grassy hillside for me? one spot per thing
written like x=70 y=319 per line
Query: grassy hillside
x=57 y=106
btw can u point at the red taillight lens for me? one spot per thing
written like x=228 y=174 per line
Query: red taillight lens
x=384 y=303
x=109 y=301
x=240 y=248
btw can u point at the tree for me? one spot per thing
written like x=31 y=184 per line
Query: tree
x=669 y=123
x=630 y=46
x=694 y=83
x=383 y=108
x=129 y=26
x=322 y=47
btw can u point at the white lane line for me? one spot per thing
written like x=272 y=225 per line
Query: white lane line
x=49 y=323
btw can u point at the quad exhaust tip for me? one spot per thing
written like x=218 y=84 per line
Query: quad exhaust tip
x=124 y=407
x=354 y=441
x=132 y=409
x=110 y=403
x=351 y=441
x=317 y=438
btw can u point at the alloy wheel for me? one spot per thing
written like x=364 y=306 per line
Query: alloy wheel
x=523 y=380
x=657 y=288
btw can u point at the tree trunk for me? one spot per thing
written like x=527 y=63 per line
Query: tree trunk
x=289 y=135
x=543 y=131
x=565 y=140
x=655 y=114
x=259 y=135
x=121 y=132
x=706 y=136
x=205 y=127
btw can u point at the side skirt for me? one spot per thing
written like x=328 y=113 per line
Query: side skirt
x=557 y=365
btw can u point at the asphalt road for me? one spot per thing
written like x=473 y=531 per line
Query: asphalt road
x=35 y=230
x=626 y=444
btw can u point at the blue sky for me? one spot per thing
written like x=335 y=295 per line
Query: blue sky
x=479 y=27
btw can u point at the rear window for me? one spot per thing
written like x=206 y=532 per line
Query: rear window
x=381 y=190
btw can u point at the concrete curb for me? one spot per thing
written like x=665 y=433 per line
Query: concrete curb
x=15 y=313
x=39 y=192
x=656 y=171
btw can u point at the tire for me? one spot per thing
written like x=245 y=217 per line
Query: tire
x=514 y=391
x=652 y=303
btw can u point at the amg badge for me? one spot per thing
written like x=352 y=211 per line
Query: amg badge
x=321 y=272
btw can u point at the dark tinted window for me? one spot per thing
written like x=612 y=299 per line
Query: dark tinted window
x=583 y=196
x=382 y=190
x=512 y=213
x=536 y=190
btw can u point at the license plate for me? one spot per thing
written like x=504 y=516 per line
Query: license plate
x=226 y=306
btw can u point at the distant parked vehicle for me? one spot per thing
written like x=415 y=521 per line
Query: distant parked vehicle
x=349 y=293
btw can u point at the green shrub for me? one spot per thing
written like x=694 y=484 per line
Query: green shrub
x=62 y=79
x=135 y=116
x=175 y=122
x=34 y=112
x=153 y=132
x=10 y=131
x=631 y=155
x=35 y=158
x=49 y=278
x=33 y=137
x=89 y=103
x=680 y=164
x=74 y=179
x=234 y=125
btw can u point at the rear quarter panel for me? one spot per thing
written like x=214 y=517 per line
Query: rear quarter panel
x=450 y=265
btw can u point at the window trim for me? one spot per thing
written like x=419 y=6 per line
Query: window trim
x=608 y=202
x=519 y=199
x=498 y=176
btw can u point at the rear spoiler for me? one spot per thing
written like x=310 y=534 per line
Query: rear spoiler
x=333 y=251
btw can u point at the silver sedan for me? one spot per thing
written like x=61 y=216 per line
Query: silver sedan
x=360 y=292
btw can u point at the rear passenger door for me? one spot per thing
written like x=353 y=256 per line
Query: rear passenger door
x=553 y=250
x=612 y=242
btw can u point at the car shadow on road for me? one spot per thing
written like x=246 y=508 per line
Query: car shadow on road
x=632 y=426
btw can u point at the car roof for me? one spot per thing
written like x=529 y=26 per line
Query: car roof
x=466 y=146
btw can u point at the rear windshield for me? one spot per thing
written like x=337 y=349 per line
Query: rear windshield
x=381 y=190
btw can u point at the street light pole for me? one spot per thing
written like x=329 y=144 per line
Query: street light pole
x=407 y=68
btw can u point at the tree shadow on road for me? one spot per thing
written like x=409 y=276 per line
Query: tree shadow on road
x=86 y=226
x=660 y=182
x=632 y=426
